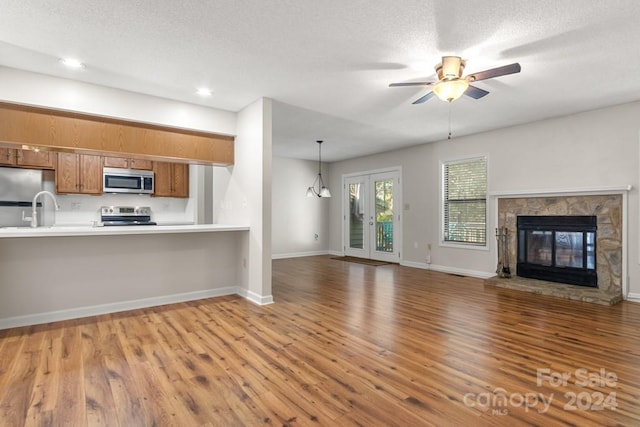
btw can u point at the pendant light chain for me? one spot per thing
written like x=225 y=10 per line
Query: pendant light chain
x=449 y=137
x=319 y=158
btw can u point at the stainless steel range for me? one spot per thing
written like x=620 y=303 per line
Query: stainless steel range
x=125 y=215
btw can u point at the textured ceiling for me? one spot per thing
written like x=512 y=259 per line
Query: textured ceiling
x=327 y=64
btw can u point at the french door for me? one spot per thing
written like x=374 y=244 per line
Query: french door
x=372 y=216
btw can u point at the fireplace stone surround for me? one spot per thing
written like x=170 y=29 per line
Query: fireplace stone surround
x=607 y=208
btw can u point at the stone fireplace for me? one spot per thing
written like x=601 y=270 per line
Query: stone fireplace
x=589 y=265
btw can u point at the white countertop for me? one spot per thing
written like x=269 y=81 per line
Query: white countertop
x=87 y=230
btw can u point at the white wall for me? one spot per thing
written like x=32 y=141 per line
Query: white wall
x=296 y=219
x=589 y=150
x=242 y=195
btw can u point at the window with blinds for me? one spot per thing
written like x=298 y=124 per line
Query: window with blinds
x=465 y=201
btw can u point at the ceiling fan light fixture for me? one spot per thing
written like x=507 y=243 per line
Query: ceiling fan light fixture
x=450 y=68
x=450 y=90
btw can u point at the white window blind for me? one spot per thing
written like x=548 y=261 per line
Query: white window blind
x=465 y=201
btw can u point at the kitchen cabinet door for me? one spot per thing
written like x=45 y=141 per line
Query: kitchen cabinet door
x=67 y=178
x=171 y=179
x=79 y=174
x=141 y=164
x=7 y=156
x=116 y=162
x=90 y=173
x=180 y=180
x=121 y=162
x=37 y=159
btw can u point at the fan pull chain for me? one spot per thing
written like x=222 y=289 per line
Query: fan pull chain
x=449 y=137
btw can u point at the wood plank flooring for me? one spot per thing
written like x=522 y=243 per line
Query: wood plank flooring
x=344 y=345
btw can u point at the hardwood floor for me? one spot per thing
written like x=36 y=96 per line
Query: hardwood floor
x=344 y=345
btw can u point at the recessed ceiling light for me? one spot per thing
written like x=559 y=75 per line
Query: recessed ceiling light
x=203 y=91
x=72 y=63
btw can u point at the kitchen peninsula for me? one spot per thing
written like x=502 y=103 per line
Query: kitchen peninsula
x=57 y=273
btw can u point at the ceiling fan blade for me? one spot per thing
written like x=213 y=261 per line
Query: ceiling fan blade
x=494 y=72
x=475 y=92
x=411 y=84
x=424 y=98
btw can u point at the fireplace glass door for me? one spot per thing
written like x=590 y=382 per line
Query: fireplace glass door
x=569 y=249
x=539 y=244
x=558 y=249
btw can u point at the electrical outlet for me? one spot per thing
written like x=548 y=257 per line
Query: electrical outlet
x=415 y=245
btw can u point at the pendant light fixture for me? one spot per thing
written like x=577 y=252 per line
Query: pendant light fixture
x=322 y=190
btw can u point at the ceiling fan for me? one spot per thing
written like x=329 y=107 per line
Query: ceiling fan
x=451 y=85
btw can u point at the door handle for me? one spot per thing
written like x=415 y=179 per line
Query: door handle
x=370 y=222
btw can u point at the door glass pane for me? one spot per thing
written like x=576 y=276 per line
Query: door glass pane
x=384 y=215
x=569 y=249
x=356 y=216
x=539 y=247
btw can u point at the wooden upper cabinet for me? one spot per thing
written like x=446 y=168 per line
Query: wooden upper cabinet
x=140 y=164
x=180 y=180
x=64 y=131
x=7 y=156
x=67 y=178
x=38 y=159
x=27 y=158
x=171 y=179
x=90 y=174
x=116 y=162
x=79 y=174
x=121 y=162
x=162 y=181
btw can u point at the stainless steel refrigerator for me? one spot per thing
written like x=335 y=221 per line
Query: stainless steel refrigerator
x=17 y=189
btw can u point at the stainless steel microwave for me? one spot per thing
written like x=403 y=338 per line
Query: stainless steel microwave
x=116 y=180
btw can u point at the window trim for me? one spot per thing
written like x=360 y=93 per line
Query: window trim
x=463 y=245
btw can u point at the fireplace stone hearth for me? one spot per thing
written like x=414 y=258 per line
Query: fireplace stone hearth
x=608 y=211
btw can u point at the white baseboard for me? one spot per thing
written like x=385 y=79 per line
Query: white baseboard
x=450 y=270
x=336 y=253
x=255 y=298
x=74 y=313
x=298 y=254
x=414 y=264
x=633 y=297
